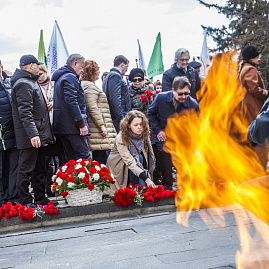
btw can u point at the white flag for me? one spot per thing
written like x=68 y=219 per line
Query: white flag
x=141 y=61
x=204 y=58
x=57 y=52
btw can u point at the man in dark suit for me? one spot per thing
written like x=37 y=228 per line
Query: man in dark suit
x=166 y=104
x=117 y=92
x=181 y=68
x=32 y=130
x=69 y=109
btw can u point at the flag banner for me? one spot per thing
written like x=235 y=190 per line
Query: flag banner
x=204 y=58
x=155 y=66
x=41 y=49
x=141 y=61
x=57 y=52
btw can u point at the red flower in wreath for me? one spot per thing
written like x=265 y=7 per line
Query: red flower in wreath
x=91 y=187
x=64 y=193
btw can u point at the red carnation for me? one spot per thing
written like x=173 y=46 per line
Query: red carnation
x=71 y=179
x=71 y=163
x=92 y=170
x=64 y=193
x=91 y=187
x=85 y=180
x=70 y=170
x=82 y=169
x=83 y=163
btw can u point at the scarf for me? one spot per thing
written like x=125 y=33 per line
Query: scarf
x=136 y=146
x=45 y=86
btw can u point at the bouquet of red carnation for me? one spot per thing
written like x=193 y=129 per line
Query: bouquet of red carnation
x=158 y=193
x=146 y=97
x=125 y=197
x=82 y=173
x=26 y=213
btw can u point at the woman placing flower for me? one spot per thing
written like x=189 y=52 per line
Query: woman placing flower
x=132 y=159
x=141 y=94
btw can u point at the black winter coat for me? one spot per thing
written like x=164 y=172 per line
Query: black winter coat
x=136 y=100
x=174 y=71
x=6 y=119
x=29 y=109
x=69 y=105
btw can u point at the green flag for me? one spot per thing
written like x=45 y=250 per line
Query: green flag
x=41 y=49
x=155 y=66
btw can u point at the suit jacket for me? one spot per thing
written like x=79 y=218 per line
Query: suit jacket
x=162 y=108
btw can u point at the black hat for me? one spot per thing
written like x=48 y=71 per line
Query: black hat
x=195 y=64
x=249 y=52
x=29 y=59
x=136 y=72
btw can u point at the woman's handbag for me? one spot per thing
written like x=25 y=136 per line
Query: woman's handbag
x=258 y=131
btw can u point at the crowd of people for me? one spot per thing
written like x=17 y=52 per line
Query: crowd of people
x=46 y=122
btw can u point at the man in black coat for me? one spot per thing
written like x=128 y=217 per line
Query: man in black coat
x=69 y=109
x=9 y=154
x=32 y=130
x=181 y=68
x=117 y=92
x=164 y=106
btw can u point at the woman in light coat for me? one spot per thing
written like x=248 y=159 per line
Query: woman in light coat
x=132 y=159
x=102 y=129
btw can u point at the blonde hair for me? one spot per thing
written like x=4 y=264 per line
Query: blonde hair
x=43 y=68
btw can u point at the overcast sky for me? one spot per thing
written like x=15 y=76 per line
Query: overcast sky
x=102 y=29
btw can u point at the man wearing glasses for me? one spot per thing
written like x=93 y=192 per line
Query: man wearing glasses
x=166 y=104
x=181 y=68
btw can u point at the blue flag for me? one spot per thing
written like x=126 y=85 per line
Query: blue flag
x=57 y=52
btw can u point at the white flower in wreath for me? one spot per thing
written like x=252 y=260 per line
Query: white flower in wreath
x=95 y=176
x=102 y=165
x=64 y=168
x=81 y=175
x=59 y=181
x=78 y=166
x=70 y=184
x=112 y=175
x=97 y=168
x=53 y=177
x=79 y=160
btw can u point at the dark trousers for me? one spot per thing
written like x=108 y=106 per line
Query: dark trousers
x=157 y=175
x=32 y=163
x=166 y=165
x=99 y=156
x=116 y=125
x=8 y=175
x=75 y=147
x=132 y=178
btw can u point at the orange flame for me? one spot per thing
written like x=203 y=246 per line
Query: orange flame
x=209 y=151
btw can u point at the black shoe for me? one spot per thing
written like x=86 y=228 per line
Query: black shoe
x=45 y=201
